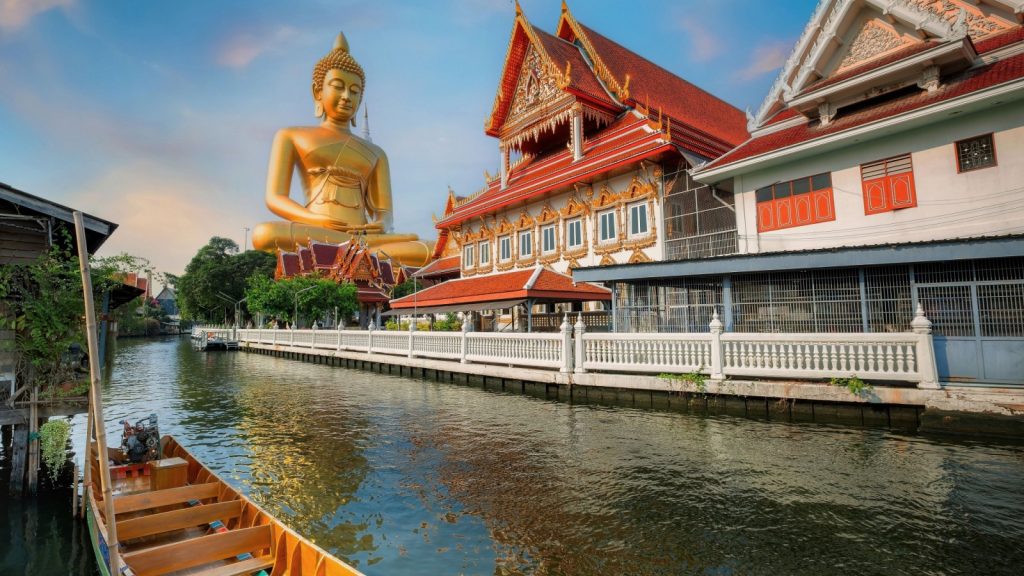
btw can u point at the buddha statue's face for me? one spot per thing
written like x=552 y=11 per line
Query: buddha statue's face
x=340 y=96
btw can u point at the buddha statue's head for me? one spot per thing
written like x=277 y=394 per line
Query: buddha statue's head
x=338 y=82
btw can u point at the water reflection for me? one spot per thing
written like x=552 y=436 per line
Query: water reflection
x=405 y=476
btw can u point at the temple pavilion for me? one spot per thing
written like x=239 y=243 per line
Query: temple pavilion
x=591 y=137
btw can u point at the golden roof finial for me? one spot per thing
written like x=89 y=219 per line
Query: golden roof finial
x=625 y=88
x=565 y=7
x=519 y=9
x=340 y=42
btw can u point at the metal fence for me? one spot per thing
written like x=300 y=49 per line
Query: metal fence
x=700 y=221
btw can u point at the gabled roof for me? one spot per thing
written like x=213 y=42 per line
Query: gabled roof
x=288 y=265
x=630 y=139
x=872 y=30
x=823 y=97
x=439 y=267
x=535 y=283
x=636 y=80
x=322 y=254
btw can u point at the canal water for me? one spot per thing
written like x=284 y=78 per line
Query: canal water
x=407 y=476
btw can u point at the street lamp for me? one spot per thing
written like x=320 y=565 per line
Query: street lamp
x=236 y=304
x=295 y=314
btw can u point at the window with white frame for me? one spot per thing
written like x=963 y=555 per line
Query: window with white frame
x=574 y=233
x=485 y=253
x=606 y=226
x=638 y=219
x=505 y=248
x=525 y=244
x=467 y=256
x=547 y=239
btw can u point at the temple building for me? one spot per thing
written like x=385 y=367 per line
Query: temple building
x=593 y=141
x=373 y=275
x=883 y=172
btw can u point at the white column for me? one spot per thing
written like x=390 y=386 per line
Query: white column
x=579 y=330
x=577 y=133
x=922 y=326
x=566 y=329
x=716 y=327
x=412 y=334
x=504 y=166
x=465 y=337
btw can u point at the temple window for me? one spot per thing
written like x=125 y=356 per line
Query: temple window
x=505 y=248
x=574 y=233
x=888 y=185
x=638 y=219
x=606 y=226
x=525 y=244
x=548 y=239
x=467 y=256
x=975 y=153
x=798 y=202
x=485 y=253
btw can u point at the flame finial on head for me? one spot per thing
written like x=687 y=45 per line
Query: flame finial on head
x=339 y=58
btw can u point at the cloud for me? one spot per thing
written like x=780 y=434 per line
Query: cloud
x=15 y=14
x=767 y=57
x=238 y=50
x=704 y=44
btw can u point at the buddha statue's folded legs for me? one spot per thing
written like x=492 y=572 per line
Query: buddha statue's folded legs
x=407 y=249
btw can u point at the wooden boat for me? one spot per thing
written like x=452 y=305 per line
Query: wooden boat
x=175 y=516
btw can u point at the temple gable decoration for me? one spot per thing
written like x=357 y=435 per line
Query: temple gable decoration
x=855 y=50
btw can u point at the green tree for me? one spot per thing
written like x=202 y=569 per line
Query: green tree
x=311 y=297
x=406 y=288
x=216 y=278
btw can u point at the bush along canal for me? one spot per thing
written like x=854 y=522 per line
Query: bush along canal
x=401 y=475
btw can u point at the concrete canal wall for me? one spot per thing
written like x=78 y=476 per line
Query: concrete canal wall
x=948 y=409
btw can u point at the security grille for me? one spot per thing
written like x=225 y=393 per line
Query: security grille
x=678 y=305
x=888 y=294
x=974 y=153
x=1001 y=309
x=700 y=221
x=949 y=308
x=806 y=301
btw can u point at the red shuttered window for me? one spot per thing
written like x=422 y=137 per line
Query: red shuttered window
x=795 y=203
x=888 y=185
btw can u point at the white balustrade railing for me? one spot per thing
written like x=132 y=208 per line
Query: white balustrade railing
x=538 y=350
x=906 y=356
x=646 y=352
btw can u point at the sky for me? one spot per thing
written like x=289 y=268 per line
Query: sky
x=159 y=115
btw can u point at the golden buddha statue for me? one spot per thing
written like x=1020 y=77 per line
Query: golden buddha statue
x=345 y=178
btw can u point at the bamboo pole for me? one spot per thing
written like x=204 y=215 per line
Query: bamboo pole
x=87 y=475
x=74 y=491
x=95 y=400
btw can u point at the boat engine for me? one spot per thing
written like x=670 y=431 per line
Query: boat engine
x=141 y=442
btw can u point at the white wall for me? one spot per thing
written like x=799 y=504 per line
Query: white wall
x=988 y=201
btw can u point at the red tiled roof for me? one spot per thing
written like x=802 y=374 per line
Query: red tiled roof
x=965 y=83
x=323 y=254
x=287 y=265
x=626 y=140
x=439 y=267
x=999 y=40
x=512 y=285
x=677 y=97
x=367 y=293
x=305 y=259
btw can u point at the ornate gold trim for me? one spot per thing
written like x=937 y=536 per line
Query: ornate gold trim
x=638 y=257
x=498 y=262
x=607 y=260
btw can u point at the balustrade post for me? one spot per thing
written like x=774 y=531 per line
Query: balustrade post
x=926 y=367
x=566 y=329
x=340 y=335
x=717 y=328
x=312 y=337
x=578 y=331
x=412 y=333
x=369 y=337
x=291 y=336
x=273 y=338
x=465 y=337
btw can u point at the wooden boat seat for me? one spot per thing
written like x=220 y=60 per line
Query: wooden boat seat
x=178 y=519
x=238 y=568
x=165 y=497
x=196 y=552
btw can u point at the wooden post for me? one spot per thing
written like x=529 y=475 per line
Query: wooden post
x=19 y=448
x=87 y=464
x=95 y=399
x=74 y=491
x=32 y=472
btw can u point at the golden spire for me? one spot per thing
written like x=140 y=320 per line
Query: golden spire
x=565 y=7
x=519 y=9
